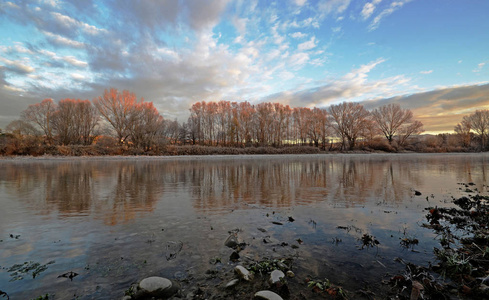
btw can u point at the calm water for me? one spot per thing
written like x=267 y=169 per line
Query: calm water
x=112 y=220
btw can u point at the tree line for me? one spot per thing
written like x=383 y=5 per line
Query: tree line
x=120 y=119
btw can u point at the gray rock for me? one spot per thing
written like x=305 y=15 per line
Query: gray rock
x=232 y=283
x=276 y=277
x=157 y=287
x=126 y=298
x=267 y=295
x=231 y=241
x=243 y=273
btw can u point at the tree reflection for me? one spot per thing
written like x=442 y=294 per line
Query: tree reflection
x=118 y=191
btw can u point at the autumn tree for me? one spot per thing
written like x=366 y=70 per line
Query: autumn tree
x=40 y=114
x=119 y=109
x=348 y=121
x=390 y=118
x=147 y=127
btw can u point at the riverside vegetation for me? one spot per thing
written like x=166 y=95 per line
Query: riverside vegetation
x=117 y=123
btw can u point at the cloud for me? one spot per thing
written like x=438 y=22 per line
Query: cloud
x=62 y=41
x=368 y=9
x=351 y=86
x=333 y=6
x=300 y=2
x=440 y=110
x=75 y=62
x=17 y=66
x=307 y=45
x=298 y=35
x=426 y=72
x=479 y=67
x=386 y=12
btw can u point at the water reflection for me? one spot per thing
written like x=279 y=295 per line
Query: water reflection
x=94 y=212
x=119 y=191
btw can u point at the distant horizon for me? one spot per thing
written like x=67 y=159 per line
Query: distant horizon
x=428 y=56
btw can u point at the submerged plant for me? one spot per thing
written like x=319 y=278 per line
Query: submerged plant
x=18 y=271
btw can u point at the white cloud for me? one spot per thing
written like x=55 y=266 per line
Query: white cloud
x=307 y=45
x=333 y=6
x=426 y=72
x=298 y=35
x=479 y=67
x=17 y=66
x=60 y=40
x=75 y=62
x=386 y=12
x=368 y=9
x=300 y=2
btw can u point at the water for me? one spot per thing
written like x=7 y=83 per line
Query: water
x=114 y=221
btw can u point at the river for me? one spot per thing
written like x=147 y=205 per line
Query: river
x=116 y=220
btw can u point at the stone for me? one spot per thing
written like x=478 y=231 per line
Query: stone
x=267 y=295
x=243 y=273
x=232 y=283
x=417 y=193
x=231 y=241
x=276 y=277
x=290 y=274
x=126 y=298
x=157 y=287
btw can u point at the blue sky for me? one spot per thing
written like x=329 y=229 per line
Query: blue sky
x=428 y=55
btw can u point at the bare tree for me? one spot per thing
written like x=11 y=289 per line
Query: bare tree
x=40 y=114
x=147 y=126
x=409 y=130
x=390 y=118
x=119 y=110
x=463 y=131
x=22 y=128
x=348 y=121
x=479 y=122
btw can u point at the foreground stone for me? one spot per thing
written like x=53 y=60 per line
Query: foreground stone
x=276 y=277
x=232 y=283
x=267 y=295
x=231 y=241
x=157 y=287
x=243 y=273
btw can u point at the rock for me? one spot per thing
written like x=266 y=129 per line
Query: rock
x=232 y=283
x=231 y=241
x=262 y=229
x=276 y=277
x=234 y=256
x=126 y=298
x=157 y=287
x=243 y=273
x=290 y=274
x=417 y=193
x=267 y=295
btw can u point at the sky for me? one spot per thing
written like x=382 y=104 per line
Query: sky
x=430 y=56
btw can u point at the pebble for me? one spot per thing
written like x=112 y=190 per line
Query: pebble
x=232 y=283
x=157 y=287
x=267 y=295
x=231 y=241
x=290 y=274
x=243 y=273
x=275 y=277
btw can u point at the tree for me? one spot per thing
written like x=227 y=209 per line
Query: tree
x=479 y=122
x=390 y=118
x=40 y=114
x=119 y=110
x=463 y=131
x=348 y=121
x=147 y=126
x=408 y=130
x=21 y=128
